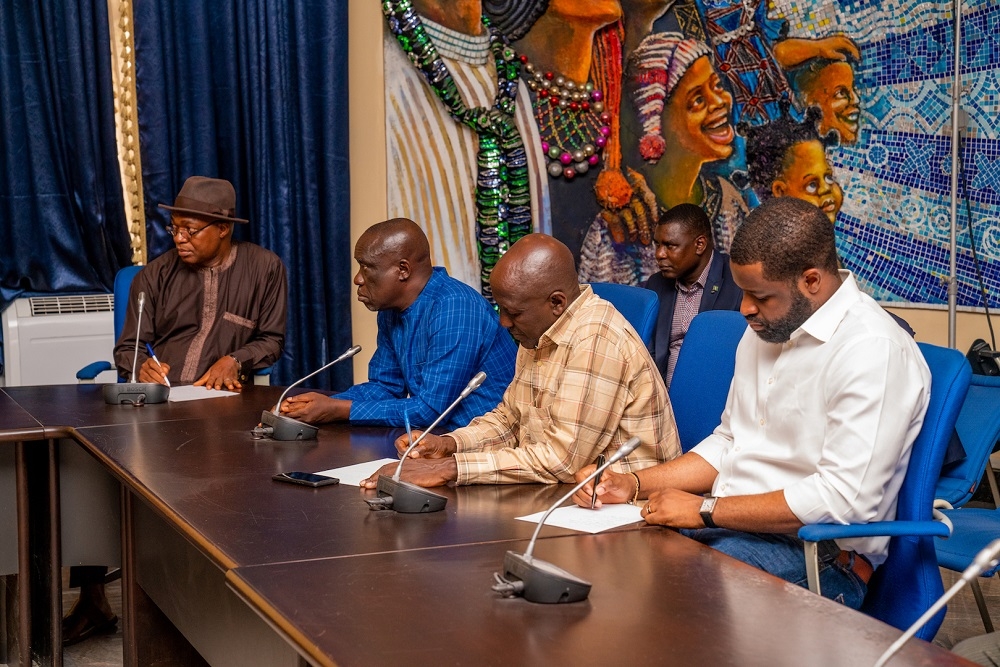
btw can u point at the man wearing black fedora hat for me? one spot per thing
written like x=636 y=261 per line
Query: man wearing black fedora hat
x=215 y=308
x=214 y=311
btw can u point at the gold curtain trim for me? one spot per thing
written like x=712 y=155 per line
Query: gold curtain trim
x=127 y=124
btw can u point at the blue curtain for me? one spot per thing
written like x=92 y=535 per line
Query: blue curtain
x=62 y=219
x=255 y=91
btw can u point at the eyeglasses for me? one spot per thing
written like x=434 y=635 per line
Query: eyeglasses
x=186 y=233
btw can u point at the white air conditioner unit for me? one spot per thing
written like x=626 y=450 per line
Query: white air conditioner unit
x=47 y=339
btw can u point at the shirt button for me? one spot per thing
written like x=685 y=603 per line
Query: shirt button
x=761 y=422
x=770 y=380
x=736 y=448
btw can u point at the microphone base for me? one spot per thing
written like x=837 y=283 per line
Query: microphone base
x=539 y=581
x=135 y=393
x=286 y=428
x=404 y=497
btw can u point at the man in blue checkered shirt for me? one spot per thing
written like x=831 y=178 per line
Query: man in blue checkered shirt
x=434 y=334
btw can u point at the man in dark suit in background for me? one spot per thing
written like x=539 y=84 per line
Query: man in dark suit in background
x=692 y=278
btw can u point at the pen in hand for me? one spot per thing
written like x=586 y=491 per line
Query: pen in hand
x=152 y=355
x=597 y=480
x=409 y=431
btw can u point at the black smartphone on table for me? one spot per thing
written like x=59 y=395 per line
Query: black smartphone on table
x=306 y=479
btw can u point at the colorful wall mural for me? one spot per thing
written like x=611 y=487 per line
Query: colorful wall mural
x=588 y=118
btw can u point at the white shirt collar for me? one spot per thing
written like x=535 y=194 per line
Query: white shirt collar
x=824 y=322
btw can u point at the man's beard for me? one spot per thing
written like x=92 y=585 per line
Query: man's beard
x=780 y=330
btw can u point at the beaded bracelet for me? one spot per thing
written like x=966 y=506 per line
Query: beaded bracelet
x=636 y=496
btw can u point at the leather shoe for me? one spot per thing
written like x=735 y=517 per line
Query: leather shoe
x=81 y=624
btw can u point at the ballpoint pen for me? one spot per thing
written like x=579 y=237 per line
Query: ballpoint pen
x=152 y=355
x=409 y=432
x=597 y=480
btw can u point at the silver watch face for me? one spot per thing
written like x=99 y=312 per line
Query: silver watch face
x=708 y=504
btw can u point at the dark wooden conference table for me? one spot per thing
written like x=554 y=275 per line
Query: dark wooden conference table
x=223 y=566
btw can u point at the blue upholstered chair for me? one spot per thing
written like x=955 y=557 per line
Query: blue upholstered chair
x=705 y=365
x=639 y=305
x=123 y=282
x=973 y=528
x=978 y=428
x=909 y=581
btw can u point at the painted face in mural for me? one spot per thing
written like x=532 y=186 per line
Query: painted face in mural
x=697 y=114
x=832 y=90
x=774 y=309
x=678 y=251
x=807 y=175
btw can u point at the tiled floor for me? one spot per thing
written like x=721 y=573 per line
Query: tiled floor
x=963 y=619
x=100 y=651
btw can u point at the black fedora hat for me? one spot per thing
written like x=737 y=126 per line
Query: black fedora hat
x=212 y=198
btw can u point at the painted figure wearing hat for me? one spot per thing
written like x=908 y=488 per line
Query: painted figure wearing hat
x=685 y=113
x=683 y=116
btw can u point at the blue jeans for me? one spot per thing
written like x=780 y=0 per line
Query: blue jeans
x=783 y=556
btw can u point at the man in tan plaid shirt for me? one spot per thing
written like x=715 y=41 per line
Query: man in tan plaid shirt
x=584 y=383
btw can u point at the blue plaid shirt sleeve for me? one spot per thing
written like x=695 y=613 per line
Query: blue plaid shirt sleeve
x=385 y=376
x=451 y=343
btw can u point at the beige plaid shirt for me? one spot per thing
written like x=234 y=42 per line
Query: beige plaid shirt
x=588 y=387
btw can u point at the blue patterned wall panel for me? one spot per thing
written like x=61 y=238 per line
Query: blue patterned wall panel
x=893 y=229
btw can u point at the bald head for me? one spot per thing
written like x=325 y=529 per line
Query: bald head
x=394 y=264
x=398 y=238
x=533 y=284
x=534 y=264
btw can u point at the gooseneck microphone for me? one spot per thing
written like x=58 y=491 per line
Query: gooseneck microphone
x=474 y=384
x=279 y=427
x=132 y=392
x=409 y=498
x=537 y=580
x=985 y=559
x=135 y=355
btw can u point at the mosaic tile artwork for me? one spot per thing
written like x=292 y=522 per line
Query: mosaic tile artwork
x=894 y=227
x=884 y=143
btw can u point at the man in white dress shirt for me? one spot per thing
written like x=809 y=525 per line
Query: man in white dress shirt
x=828 y=396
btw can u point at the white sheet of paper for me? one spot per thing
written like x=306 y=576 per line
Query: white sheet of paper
x=354 y=474
x=189 y=392
x=587 y=520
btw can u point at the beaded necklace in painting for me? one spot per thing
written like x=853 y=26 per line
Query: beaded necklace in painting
x=503 y=200
x=571 y=121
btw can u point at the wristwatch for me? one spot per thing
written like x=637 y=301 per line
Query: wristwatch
x=240 y=375
x=707 y=507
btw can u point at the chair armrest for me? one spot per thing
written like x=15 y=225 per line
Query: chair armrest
x=814 y=533
x=830 y=531
x=91 y=371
